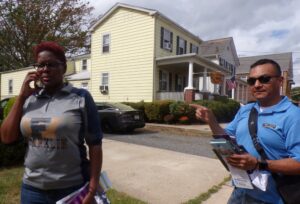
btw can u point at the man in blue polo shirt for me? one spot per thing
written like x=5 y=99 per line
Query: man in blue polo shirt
x=278 y=124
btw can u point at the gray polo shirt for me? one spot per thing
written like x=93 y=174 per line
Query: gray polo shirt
x=56 y=128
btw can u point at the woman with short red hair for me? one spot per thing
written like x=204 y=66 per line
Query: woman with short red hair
x=56 y=120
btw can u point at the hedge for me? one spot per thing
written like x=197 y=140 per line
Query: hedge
x=12 y=154
x=168 y=111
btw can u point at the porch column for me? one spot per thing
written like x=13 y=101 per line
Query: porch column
x=189 y=92
x=190 y=82
x=204 y=89
x=216 y=87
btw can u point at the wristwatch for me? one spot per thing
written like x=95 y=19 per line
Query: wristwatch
x=263 y=165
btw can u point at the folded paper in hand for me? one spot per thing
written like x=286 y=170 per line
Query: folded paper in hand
x=77 y=196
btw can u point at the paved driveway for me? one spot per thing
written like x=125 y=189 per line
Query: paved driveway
x=170 y=141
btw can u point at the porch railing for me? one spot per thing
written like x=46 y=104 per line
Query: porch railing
x=174 y=95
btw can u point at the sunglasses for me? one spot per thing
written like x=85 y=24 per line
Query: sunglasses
x=50 y=65
x=264 y=79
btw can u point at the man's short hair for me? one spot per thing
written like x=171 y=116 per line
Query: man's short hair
x=268 y=61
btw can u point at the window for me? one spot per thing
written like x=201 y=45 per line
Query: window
x=193 y=48
x=163 y=77
x=181 y=46
x=105 y=43
x=85 y=85
x=166 y=39
x=170 y=81
x=84 y=65
x=104 y=79
x=10 y=86
x=178 y=83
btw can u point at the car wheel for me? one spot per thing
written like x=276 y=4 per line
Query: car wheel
x=106 y=127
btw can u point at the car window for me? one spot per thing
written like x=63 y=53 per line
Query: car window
x=122 y=107
x=102 y=107
x=3 y=103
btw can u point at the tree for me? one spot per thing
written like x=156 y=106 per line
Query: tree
x=25 y=23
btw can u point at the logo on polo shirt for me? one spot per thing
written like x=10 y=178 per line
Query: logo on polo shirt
x=41 y=132
x=268 y=125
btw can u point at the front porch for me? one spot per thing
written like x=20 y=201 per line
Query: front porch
x=179 y=96
x=187 y=78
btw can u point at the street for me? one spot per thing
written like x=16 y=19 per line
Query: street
x=185 y=144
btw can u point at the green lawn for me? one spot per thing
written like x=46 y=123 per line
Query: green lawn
x=10 y=182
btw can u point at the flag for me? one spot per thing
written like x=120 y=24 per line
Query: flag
x=231 y=83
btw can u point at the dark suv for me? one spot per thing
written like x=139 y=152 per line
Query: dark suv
x=117 y=117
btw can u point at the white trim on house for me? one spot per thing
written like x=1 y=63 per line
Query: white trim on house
x=84 y=75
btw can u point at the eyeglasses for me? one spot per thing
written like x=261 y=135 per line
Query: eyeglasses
x=49 y=65
x=264 y=79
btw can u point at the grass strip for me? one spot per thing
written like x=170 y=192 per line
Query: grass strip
x=10 y=184
x=116 y=197
x=204 y=196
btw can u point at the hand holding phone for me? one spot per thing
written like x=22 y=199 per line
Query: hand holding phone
x=38 y=84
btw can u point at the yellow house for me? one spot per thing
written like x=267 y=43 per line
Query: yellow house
x=81 y=70
x=12 y=80
x=140 y=54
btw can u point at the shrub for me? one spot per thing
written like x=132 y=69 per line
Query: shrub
x=156 y=110
x=11 y=154
x=179 y=109
x=169 y=119
x=224 y=110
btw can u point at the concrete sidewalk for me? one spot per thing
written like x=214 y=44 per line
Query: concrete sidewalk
x=161 y=176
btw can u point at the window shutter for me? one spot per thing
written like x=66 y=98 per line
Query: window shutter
x=185 y=44
x=177 y=46
x=171 y=42
x=170 y=81
x=197 y=50
x=160 y=79
x=162 y=37
x=191 y=47
x=176 y=82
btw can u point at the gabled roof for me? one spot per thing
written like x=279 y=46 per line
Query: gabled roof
x=150 y=12
x=84 y=75
x=82 y=56
x=283 y=59
x=216 y=46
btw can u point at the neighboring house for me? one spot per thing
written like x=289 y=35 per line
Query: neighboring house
x=12 y=80
x=222 y=51
x=140 y=54
x=285 y=60
x=81 y=66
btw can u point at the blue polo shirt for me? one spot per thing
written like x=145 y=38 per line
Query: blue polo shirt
x=278 y=133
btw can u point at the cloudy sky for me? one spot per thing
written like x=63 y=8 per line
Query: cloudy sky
x=257 y=27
